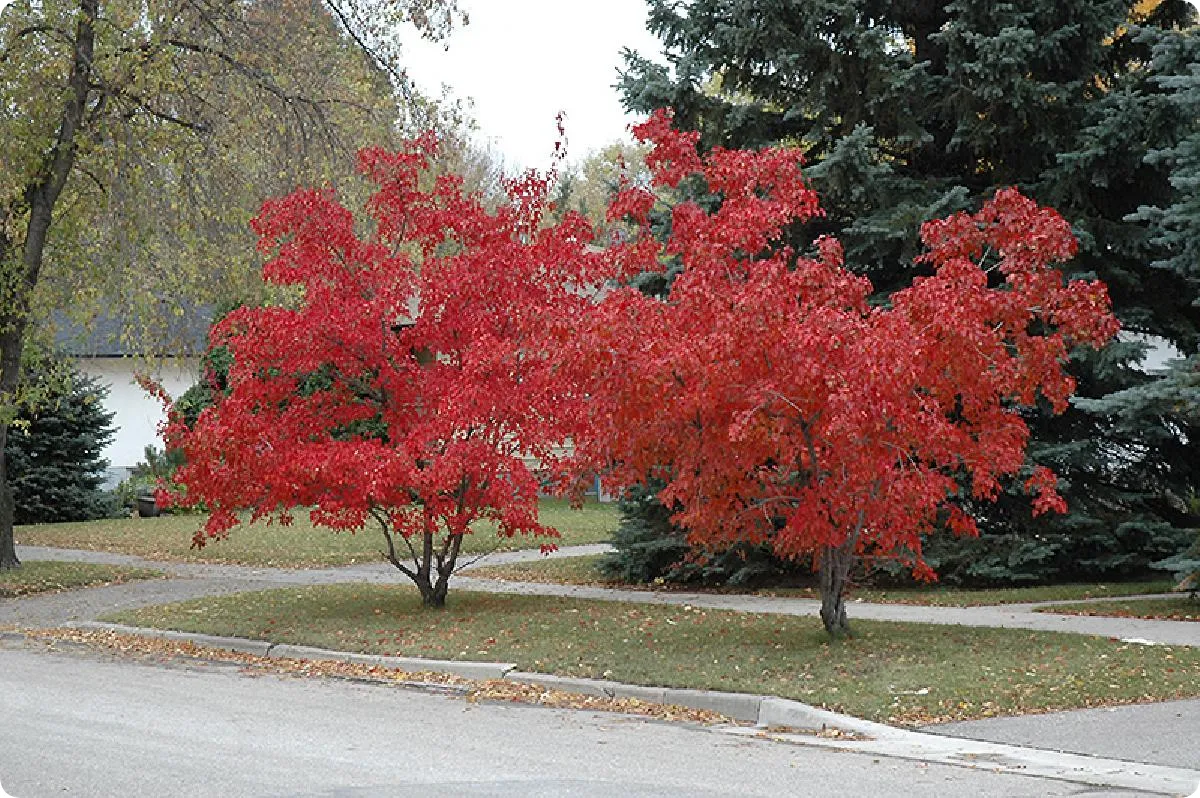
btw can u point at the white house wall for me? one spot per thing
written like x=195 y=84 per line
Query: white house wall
x=136 y=415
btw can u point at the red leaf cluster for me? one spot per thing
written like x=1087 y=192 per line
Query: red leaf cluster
x=782 y=407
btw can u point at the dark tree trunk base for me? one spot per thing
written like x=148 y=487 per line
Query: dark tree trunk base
x=433 y=598
x=433 y=594
x=427 y=564
x=836 y=562
x=833 y=616
x=8 y=548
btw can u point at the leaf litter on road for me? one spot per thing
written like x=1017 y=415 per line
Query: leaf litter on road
x=474 y=691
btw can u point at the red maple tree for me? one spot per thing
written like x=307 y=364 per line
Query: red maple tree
x=425 y=361
x=411 y=380
x=781 y=406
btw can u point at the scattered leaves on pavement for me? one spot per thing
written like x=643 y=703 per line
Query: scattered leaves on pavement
x=475 y=691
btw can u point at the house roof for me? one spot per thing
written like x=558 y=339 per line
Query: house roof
x=180 y=331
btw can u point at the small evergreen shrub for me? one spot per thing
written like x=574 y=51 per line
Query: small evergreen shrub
x=649 y=548
x=1186 y=566
x=1074 y=548
x=55 y=467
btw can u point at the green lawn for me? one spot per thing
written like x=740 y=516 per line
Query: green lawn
x=1177 y=608
x=900 y=673
x=584 y=571
x=299 y=545
x=45 y=576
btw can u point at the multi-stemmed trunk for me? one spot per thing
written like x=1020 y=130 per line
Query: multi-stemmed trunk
x=836 y=564
x=432 y=578
x=431 y=567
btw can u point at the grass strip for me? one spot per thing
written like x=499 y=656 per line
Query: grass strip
x=300 y=545
x=1182 y=608
x=585 y=571
x=48 y=576
x=892 y=672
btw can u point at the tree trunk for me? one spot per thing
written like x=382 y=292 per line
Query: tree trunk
x=836 y=562
x=427 y=563
x=434 y=596
x=12 y=336
x=8 y=549
x=445 y=566
x=429 y=593
x=12 y=342
x=40 y=197
x=423 y=576
x=433 y=593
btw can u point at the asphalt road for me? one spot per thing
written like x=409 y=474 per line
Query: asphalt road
x=79 y=724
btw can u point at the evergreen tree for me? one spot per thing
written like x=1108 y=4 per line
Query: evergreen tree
x=650 y=548
x=911 y=109
x=54 y=450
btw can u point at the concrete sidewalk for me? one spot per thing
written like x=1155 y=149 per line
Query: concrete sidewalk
x=1167 y=733
x=230 y=578
x=1173 y=633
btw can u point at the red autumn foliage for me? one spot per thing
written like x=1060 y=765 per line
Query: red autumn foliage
x=412 y=375
x=782 y=407
x=424 y=360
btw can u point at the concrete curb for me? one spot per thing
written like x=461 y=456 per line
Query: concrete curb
x=1004 y=758
x=467 y=670
x=775 y=718
x=258 y=648
x=786 y=713
x=739 y=706
x=762 y=710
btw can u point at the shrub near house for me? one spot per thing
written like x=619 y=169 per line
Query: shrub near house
x=55 y=467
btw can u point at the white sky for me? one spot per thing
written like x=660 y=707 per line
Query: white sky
x=523 y=61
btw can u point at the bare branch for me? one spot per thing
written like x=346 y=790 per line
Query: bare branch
x=399 y=77
x=467 y=564
x=63 y=36
x=143 y=105
x=390 y=554
x=259 y=76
